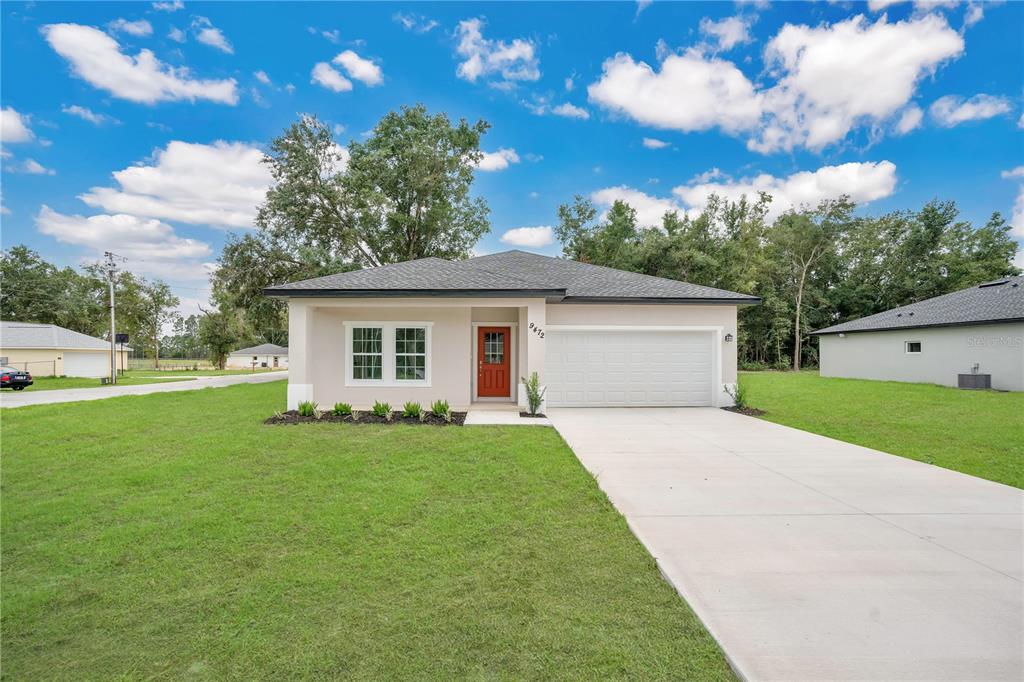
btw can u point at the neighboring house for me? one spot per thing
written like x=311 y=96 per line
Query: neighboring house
x=934 y=340
x=466 y=331
x=49 y=350
x=264 y=355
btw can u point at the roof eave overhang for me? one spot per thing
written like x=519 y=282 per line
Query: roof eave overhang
x=972 y=323
x=549 y=294
x=652 y=300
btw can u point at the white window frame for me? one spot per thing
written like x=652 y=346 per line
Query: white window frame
x=388 y=364
x=907 y=351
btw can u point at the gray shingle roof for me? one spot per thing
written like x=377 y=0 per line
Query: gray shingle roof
x=997 y=301
x=30 y=335
x=511 y=273
x=262 y=349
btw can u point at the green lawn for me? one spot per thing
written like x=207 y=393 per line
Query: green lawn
x=200 y=372
x=175 y=535
x=977 y=432
x=53 y=383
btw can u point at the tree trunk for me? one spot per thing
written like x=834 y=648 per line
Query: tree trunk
x=796 y=325
x=156 y=352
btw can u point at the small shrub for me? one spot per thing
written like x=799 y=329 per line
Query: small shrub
x=307 y=408
x=411 y=409
x=738 y=394
x=381 y=409
x=442 y=410
x=534 y=393
x=342 y=409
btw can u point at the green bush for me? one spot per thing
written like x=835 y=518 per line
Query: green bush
x=381 y=409
x=411 y=409
x=534 y=393
x=307 y=408
x=441 y=409
x=342 y=409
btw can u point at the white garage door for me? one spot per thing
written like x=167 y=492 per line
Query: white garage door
x=86 y=364
x=628 y=368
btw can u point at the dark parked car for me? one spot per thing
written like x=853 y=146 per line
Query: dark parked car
x=14 y=378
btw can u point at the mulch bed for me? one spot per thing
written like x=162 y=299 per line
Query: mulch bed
x=532 y=416
x=293 y=417
x=749 y=411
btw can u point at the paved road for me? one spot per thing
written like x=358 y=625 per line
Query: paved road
x=68 y=395
x=812 y=559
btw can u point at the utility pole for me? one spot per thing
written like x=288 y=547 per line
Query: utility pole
x=111 y=269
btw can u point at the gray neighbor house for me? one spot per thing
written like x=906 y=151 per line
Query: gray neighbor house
x=979 y=330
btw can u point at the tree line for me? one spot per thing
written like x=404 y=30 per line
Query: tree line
x=405 y=192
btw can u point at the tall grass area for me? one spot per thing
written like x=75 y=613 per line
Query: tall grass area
x=176 y=536
x=976 y=432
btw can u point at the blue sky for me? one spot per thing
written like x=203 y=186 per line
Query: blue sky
x=138 y=126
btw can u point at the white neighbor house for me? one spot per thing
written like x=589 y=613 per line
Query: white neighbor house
x=265 y=355
x=935 y=340
x=466 y=331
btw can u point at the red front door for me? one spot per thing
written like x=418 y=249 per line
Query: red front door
x=493 y=365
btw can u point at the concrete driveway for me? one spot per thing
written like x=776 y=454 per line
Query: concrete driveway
x=70 y=395
x=812 y=559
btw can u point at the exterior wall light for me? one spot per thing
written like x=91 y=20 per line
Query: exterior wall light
x=728 y=338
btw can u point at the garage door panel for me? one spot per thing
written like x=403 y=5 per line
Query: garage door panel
x=86 y=364
x=628 y=368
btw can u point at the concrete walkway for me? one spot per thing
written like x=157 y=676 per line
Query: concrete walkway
x=812 y=559
x=69 y=395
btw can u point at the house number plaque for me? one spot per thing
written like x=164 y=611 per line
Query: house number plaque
x=536 y=330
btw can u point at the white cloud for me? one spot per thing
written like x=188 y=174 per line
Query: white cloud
x=127 y=235
x=863 y=182
x=333 y=36
x=87 y=114
x=170 y=6
x=514 y=61
x=728 y=32
x=649 y=209
x=878 y=5
x=952 y=110
x=853 y=71
x=134 y=28
x=690 y=92
x=220 y=185
x=498 y=160
x=641 y=5
x=33 y=167
x=14 y=127
x=534 y=237
x=653 y=143
x=177 y=35
x=1017 y=172
x=974 y=13
x=829 y=79
x=1017 y=218
x=570 y=83
x=262 y=77
x=208 y=34
x=359 y=68
x=97 y=58
x=417 y=23
x=909 y=120
x=570 y=111
x=324 y=74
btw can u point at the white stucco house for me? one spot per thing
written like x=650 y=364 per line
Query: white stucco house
x=467 y=331
x=977 y=331
x=49 y=350
x=263 y=356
